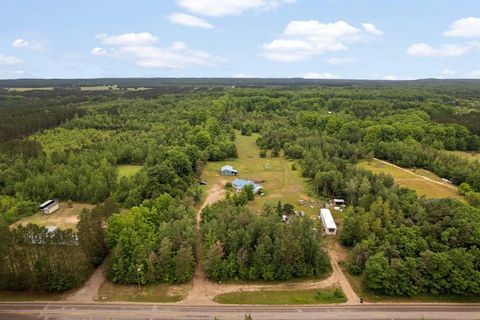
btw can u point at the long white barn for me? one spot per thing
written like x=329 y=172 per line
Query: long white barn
x=328 y=222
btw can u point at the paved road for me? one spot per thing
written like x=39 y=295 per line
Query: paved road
x=50 y=311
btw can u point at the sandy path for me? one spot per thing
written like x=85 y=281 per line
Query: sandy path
x=339 y=277
x=200 y=284
x=417 y=175
x=89 y=291
x=203 y=291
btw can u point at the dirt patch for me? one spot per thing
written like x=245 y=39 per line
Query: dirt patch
x=65 y=217
x=89 y=291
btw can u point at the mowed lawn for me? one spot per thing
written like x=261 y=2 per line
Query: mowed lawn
x=283 y=297
x=162 y=292
x=415 y=180
x=64 y=218
x=127 y=170
x=281 y=183
x=466 y=155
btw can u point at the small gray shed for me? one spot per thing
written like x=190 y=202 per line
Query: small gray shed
x=228 y=171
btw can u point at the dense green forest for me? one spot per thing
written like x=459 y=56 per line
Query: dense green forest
x=240 y=244
x=69 y=145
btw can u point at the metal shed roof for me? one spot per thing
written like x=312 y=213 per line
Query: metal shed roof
x=327 y=219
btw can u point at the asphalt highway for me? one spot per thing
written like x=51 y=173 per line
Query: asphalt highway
x=50 y=311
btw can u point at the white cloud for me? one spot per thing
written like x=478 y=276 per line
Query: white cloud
x=339 y=61
x=447 y=72
x=306 y=38
x=220 y=8
x=465 y=28
x=370 y=28
x=99 y=51
x=176 y=56
x=8 y=60
x=390 y=78
x=474 y=74
x=28 y=44
x=317 y=75
x=127 y=39
x=243 y=75
x=446 y=50
x=11 y=74
x=189 y=20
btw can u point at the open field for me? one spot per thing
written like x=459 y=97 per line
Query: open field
x=422 y=181
x=149 y=293
x=282 y=297
x=63 y=218
x=30 y=89
x=128 y=170
x=280 y=182
x=466 y=155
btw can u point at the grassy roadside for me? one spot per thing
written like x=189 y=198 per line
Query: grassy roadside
x=30 y=295
x=165 y=293
x=369 y=296
x=283 y=297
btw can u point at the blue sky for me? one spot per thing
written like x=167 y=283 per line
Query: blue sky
x=358 y=39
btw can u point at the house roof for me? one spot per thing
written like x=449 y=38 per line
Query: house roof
x=46 y=203
x=327 y=219
x=227 y=167
x=240 y=183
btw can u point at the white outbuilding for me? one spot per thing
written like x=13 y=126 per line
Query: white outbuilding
x=49 y=206
x=328 y=222
x=228 y=171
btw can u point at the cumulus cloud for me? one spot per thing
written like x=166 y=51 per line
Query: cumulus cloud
x=447 y=72
x=9 y=60
x=446 y=50
x=339 y=61
x=220 y=8
x=189 y=21
x=370 y=28
x=304 y=39
x=317 y=75
x=474 y=74
x=127 y=39
x=99 y=51
x=391 y=77
x=465 y=28
x=28 y=44
x=142 y=52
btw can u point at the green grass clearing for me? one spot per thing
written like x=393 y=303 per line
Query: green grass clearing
x=30 y=89
x=29 y=295
x=414 y=180
x=166 y=293
x=128 y=170
x=279 y=180
x=466 y=155
x=65 y=217
x=283 y=297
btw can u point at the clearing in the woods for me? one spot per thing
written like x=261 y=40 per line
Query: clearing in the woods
x=65 y=217
x=275 y=174
x=424 y=182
